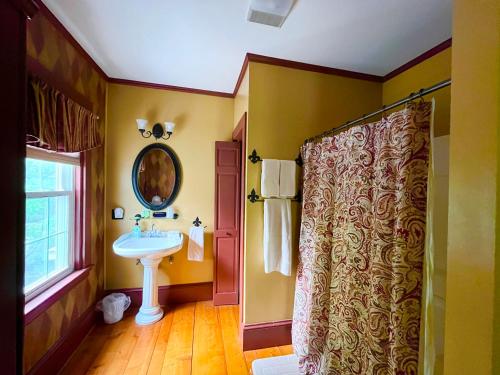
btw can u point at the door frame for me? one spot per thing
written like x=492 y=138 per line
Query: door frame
x=13 y=16
x=240 y=135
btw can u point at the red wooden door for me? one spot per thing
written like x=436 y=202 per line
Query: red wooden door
x=226 y=227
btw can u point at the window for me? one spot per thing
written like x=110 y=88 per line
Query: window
x=50 y=215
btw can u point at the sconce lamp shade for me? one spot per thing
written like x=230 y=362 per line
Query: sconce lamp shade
x=141 y=123
x=169 y=127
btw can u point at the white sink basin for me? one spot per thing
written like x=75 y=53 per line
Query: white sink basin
x=159 y=246
x=150 y=249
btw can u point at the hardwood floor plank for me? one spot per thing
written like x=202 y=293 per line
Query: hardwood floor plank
x=87 y=352
x=236 y=312
x=140 y=358
x=286 y=349
x=252 y=355
x=208 y=348
x=124 y=349
x=235 y=360
x=158 y=356
x=191 y=339
x=180 y=344
x=108 y=352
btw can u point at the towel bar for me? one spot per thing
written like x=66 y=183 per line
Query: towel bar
x=254 y=158
x=253 y=197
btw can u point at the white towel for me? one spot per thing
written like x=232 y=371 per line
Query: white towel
x=270 y=178
x=280 y=365
x=196 y=246
x=288 y=178
x=277 y=236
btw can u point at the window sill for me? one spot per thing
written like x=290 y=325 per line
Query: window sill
x=43 y=301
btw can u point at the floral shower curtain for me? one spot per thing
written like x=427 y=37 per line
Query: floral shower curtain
x=359 y=280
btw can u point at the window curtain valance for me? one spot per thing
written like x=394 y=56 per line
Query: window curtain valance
x=58 y=123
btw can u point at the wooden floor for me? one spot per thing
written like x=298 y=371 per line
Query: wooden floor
x=196 y=338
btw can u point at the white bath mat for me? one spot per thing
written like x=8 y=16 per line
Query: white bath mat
x=282 y=365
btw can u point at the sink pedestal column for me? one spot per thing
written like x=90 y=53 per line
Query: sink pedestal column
x=150 y=311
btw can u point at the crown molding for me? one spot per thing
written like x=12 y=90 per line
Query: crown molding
x=160 y=86
x=312 y=67
x=252 y=57
x=417 y=60
x=249 y=57
x=243 y=70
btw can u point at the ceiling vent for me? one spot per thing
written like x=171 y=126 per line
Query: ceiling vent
x=269 y=12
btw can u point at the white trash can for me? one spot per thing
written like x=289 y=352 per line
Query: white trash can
x=113 y=306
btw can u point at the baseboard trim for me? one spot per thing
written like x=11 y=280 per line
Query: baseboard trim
x=55 y=358
x=265 y=335
x=169 y=295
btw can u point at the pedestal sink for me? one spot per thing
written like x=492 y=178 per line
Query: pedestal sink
x=150 y=249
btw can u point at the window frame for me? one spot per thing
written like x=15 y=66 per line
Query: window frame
x=75 y=251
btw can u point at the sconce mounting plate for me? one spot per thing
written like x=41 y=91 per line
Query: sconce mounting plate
x=157 y=132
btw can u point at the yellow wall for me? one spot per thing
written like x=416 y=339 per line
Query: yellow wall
x=427 y=73
x=200 y=121
x=241 y=99
x=285 y=107
x=471 y=339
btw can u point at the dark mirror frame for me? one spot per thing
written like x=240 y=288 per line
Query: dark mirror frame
x=178 y=177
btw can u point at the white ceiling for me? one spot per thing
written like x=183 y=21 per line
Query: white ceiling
x=202 y=43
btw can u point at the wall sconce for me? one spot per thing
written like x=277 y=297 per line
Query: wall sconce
x=157 y=132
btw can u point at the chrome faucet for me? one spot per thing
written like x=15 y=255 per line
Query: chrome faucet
x=153 y=232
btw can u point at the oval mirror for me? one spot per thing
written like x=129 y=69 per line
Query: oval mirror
x=156 y=176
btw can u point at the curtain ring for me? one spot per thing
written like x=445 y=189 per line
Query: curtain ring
x=410 y=100
x=384 y=114
x=420 y=93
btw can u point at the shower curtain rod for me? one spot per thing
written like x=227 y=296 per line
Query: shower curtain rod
x=412 y=96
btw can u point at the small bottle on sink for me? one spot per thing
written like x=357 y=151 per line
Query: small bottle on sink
x=136 y=230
